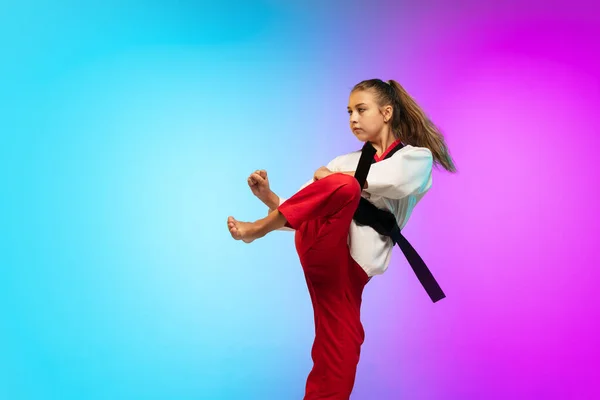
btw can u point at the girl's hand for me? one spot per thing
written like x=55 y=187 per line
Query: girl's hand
x=322 y=173
x=258 y=182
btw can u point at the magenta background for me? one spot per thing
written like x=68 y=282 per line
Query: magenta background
x=512 y=237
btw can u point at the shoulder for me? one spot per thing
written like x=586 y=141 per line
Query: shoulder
x=418 y=160
x=416 y=153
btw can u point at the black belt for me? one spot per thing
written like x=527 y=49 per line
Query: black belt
x=385 y=223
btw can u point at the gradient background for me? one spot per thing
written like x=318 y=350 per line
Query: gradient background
x=128 y=129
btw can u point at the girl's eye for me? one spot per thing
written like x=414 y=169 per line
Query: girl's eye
x=359 y=110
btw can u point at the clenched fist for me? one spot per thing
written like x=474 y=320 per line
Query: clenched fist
x=259 y=184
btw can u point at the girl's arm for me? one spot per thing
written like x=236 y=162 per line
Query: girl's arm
x=401 y=175
x=271 y=200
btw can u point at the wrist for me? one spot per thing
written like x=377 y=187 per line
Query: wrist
x=271 y=200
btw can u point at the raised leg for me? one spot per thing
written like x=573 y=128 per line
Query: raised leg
x=334 y=197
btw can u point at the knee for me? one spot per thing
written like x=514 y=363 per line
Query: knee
x=346 y=186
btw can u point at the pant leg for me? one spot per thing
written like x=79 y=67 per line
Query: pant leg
x=336 y=283
x=321 y=214
x=332 y=200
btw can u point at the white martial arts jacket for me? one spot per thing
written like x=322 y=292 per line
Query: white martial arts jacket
x=395 y=184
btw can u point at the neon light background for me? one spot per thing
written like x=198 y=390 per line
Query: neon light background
x=129 y=128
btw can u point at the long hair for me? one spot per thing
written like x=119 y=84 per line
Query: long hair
x=409 y=122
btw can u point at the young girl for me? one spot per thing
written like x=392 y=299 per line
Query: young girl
x=338 y=255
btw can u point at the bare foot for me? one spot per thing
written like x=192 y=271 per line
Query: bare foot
x=244 y=231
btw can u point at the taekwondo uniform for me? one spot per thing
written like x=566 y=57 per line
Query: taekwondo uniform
x=340 y=255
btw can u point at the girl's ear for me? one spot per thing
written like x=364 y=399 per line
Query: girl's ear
x=388 y=112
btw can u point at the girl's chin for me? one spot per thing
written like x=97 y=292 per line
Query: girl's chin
x=361 y=136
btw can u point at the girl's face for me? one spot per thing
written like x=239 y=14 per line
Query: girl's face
x=367 y=119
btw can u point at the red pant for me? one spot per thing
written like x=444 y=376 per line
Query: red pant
x=321 y=214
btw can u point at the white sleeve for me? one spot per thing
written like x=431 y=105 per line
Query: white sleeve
x=401 y=175
x=333 y=165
